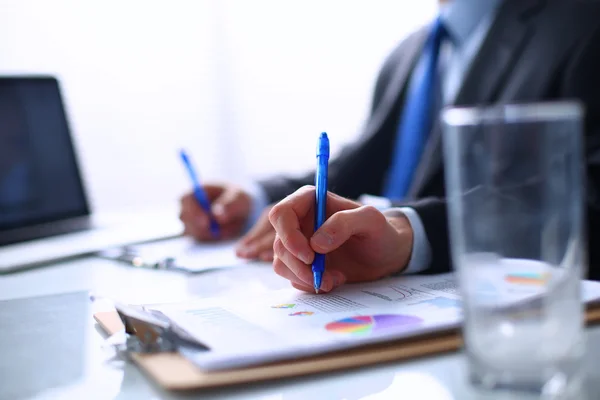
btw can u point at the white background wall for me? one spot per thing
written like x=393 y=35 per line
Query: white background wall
x=245 y=85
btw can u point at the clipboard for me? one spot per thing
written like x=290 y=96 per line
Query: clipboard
x=173 y=371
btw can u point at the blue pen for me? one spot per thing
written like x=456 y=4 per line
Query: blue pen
x=318 y=266
x=199 y=193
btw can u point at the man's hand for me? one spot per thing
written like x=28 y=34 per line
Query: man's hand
x=230 y=207
x=360 y=242
x=258 y=242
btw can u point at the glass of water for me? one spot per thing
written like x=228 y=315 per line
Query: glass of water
x=514 y=184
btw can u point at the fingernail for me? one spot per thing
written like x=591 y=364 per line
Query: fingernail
x=304 y=256
x=322 y=239
x=218 y=210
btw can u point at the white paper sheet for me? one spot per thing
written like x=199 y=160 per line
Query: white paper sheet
x=288 y=323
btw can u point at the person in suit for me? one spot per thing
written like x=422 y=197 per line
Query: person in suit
x=485 y=51
x=523 y=57
x=362 y=167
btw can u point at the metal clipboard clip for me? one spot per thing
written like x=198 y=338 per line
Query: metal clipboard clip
x=149 y=331
x=131 y=256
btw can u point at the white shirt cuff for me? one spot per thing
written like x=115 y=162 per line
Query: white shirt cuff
x=421 y=251
x=380 y=203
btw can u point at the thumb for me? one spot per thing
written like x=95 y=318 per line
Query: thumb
x=342 y=225
x=230 y=205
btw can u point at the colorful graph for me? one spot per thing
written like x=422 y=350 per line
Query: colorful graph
x=301 y=313
x=284 y=306
x=527 y=278
x=366 y=324
x=442 y=302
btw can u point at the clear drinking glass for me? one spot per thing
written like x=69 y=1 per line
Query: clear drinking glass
x=514 y=184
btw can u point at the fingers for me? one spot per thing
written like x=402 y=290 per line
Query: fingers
x=286 y=265
x=299 y=268
x=309 y=289
x=331 y=280
x=258 y=242
x=342 y=225
x=193 y=217
x=197 y=222
x=285 y=219
x=232 y=204
x=282 y=270
x=267 y=255
x=262 y=226
x=261 y=248
x=304 y=288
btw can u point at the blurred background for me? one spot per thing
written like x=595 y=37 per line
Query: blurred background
x=142 y=78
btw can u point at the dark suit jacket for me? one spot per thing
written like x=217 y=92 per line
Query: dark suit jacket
x=535 y=50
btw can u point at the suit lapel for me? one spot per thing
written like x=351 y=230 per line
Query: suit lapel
x=397 y=83
x=491 y=66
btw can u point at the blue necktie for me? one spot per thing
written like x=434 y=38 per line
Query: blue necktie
x=415 y=122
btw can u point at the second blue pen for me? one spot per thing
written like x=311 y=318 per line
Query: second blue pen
x=199 y=193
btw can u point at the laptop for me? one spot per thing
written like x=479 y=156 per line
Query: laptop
x=45 y=215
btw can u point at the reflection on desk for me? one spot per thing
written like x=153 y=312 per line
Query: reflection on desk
x=34 y=355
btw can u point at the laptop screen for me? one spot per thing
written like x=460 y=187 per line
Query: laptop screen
x=39 y=175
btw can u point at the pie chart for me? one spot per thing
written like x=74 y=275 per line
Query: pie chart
x=366 y=324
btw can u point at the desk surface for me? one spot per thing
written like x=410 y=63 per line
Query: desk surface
x=64 y=357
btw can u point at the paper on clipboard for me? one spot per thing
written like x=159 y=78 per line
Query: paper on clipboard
x=181 y=253
x=288 y=324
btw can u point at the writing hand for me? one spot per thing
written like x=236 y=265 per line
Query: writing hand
x=361 y=244
x=230 y=206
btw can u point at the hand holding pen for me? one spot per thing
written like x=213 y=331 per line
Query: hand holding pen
x=222 y=212
x=359 y=242
x=212 y=212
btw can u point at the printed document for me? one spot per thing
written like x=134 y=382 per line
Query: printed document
x=288 y=323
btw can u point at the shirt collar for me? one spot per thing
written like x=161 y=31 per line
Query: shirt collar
x=461 y=17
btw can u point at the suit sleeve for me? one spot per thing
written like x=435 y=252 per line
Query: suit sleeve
x=352 y=157
x=580 y=80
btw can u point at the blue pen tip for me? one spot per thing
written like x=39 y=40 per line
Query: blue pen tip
x=317 y=282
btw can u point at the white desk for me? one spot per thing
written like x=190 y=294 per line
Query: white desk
x=77 y=367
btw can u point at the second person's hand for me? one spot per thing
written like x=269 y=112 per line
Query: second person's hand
x=258 y=242
x=230 y=206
